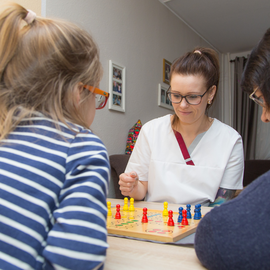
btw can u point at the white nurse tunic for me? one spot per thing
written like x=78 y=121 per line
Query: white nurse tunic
x=157 y=158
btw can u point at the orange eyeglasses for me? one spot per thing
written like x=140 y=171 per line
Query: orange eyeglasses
x=101 y=96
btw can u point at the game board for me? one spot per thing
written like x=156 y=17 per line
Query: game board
x=156 y=229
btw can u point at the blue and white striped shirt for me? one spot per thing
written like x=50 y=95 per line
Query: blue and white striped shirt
x=53 y=187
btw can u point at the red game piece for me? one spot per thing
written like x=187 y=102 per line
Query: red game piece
x=118 y=215
x=184 y=219
x=170 y=220
x=144 y=218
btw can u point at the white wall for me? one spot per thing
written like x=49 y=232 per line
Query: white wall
x=137 y=34
x=29 y=4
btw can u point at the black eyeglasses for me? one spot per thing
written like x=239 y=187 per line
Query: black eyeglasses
x=175 y=97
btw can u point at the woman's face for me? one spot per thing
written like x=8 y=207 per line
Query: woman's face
x=191 y=85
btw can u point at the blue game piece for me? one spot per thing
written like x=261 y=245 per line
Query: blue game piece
x=199 y=207
x=197 y=212
x=188 y=211
x=180 y=214
x=196 y=215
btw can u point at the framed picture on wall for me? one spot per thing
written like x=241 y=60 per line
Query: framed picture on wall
x=163 y=100
x=117 y=77
x=166 y=71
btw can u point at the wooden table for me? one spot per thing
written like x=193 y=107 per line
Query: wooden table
x=129 y=254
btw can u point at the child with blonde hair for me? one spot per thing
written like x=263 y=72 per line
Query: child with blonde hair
x=53 y=170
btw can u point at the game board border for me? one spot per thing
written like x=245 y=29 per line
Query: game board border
x=148 y=236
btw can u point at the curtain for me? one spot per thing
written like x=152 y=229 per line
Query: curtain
x=245 y=112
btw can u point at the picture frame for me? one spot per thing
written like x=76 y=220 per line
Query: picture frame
x=117 y=80
x=163 y=100
x=166 y=71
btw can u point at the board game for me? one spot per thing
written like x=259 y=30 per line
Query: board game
x=156 y=228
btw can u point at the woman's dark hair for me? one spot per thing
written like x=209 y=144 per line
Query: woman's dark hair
x=257 y=69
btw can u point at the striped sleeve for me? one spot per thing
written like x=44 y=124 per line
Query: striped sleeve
x=78 y=239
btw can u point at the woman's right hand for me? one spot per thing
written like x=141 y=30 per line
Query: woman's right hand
x=128 y=182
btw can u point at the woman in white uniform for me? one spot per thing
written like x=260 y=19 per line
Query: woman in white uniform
x=188 y=157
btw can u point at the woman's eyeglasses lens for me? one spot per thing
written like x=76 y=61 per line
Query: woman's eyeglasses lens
x=191 y=99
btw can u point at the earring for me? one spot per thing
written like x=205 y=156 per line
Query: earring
x=209 y=102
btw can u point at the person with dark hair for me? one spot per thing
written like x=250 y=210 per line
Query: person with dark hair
x=188 y=157
x=54 y=171
x=236 y=234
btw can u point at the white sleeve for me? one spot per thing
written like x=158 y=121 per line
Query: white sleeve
x=233 y=174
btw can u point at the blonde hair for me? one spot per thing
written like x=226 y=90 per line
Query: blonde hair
x=41 y=65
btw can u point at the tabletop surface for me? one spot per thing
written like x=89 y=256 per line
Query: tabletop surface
x=132 y=254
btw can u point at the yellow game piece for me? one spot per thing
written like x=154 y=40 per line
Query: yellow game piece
x=125 y=207
x=109 y=208
x=165 y=211
x=131 y=207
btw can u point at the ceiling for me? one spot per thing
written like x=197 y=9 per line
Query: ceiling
x=230 y=26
